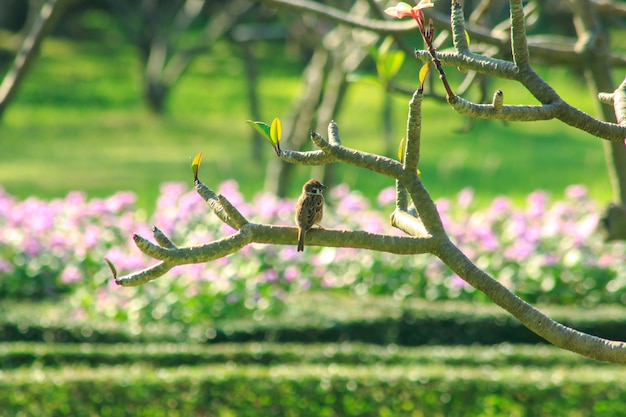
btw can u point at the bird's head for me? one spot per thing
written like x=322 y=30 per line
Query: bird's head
x=313 y=187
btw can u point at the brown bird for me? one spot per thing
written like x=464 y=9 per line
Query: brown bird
x=310 y=209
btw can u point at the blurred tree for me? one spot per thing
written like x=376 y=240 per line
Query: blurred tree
x=161 y=31
x=13 y=14
x=42 y=17
x=336 y=51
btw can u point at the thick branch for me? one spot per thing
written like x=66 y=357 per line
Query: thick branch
x=370 y=161
x=221 y=206
x=264 y=233
x=424 y=204
x=502 y=112
x=413 y=132
x=473 y=62
x=556 y=333
x=408 y=224
x=619 y=103
x=181 y=256
x=556 y=107
x=162 y=239
x=518 y=35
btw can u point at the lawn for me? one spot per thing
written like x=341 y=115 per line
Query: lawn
x=79 y=122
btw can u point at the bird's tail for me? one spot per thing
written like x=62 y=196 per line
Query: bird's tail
x=300 y=240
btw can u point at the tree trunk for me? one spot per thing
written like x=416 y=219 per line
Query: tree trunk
x=599 y=79
x=40 y=25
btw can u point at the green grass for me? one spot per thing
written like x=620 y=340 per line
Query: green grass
x=79 y=122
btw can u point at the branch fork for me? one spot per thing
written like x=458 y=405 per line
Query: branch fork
x=423 y=225
x=170 y=255
x=552 y=105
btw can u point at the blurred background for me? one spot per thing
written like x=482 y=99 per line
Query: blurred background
x=103 y=105
x=120 y=95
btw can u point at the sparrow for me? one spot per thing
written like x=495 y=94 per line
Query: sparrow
x=310 y=209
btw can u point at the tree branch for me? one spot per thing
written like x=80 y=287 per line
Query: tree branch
x=41 y=25
x=425 y=229
x=413 y=132
x=520 y=70
x=268 y=234
x=554 y=332
x=426 y=235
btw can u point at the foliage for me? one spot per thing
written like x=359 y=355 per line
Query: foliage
x=270 y=133
x=312 y=390
x=312 y=317
x=58 y=246
x=56 y=355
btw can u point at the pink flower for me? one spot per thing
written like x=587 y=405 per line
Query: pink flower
x=520 y=250
x=270 y=275
x=387 y=196
x=75 y=199
x=32 y=247
x=465 y=197
x=403 y=10
x=537 y=203
x=120 y=201
x=458 y=282
x=91 y=236
x=291 y=273
x=339 y=192
x=576 y=192
x=352 y=203
x=70 y=274
x=6 y=267
x=267 y=206
x=486 y=237
x=230 y=190
x=170 y=192
x=500 y=205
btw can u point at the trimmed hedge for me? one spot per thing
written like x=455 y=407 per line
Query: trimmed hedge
x=320 y=318
x=313 y=390
x=14 y=355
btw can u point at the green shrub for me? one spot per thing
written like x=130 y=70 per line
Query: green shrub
x=314 y=390
x=318 y=318
x=14 y=355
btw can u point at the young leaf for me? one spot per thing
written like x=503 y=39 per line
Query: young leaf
x=385 y=46
x=266 y=131
x=401 y=155
x=195 y=164
x=396 y=58
x=389 y=64
x=424 y=73
x=276 y=131
x=262 y=128
x=401 y=150
x=467 y=37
